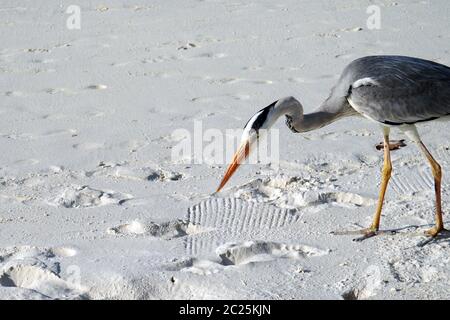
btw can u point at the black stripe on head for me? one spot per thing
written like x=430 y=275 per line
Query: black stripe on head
x=262 y=117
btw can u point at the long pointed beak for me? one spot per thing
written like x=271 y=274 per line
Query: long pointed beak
x=238 y=158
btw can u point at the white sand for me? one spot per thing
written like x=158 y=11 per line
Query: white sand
x=92 y=205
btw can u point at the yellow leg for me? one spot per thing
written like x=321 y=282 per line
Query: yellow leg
x=386 y=175
x=437 y=174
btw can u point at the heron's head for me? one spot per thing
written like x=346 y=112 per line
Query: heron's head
x=259 y=123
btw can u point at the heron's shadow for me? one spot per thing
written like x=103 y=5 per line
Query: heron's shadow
x=443 y=236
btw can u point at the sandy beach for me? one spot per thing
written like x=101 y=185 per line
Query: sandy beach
x=95 y=96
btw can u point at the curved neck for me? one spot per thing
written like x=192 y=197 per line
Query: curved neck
x=315 y=120
x=292 y=109
x=298 y=122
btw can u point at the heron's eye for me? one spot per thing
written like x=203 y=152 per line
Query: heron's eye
x=289 y=124
x=289 y=121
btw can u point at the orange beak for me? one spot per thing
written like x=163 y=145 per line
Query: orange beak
x=238 y=158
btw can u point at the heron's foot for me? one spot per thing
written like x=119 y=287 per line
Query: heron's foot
x=433 y=234
x=366 y=233
x=393 y=145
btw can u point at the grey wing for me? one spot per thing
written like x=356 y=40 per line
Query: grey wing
x=401 y=91
x=402 y=104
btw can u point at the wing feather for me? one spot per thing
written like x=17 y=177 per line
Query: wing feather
x=401 y=90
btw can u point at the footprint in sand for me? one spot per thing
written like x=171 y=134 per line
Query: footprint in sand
x=237 y=80
x=54 y=133
x=210 y=99
x=37 y=272
x=166 y=230
x=210 y=55
x=252 y=68
x=63 y=252
x=55 y=116
x=60 y=90
x=40 y=280
x=4 y=199
x=232 y=219
x=366 y=286
x=25 y=162
x=44 y=61
x=258 y=251
x=345 y=56
x=235 y=216
x=97 y=87
x=231 y=255
x=88 y=146
x=14 y=94
x=95 y=114
x=311 y=80
x=121 y=64
x=418 y=178
x=160 y=59
x=187 y=46
x=147 y=174
x=86 y=197
x=298 y=193
x=24 y=252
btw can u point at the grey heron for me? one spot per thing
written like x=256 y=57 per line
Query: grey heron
x=394 y=91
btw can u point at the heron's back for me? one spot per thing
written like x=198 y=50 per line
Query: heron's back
x=396 y=89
